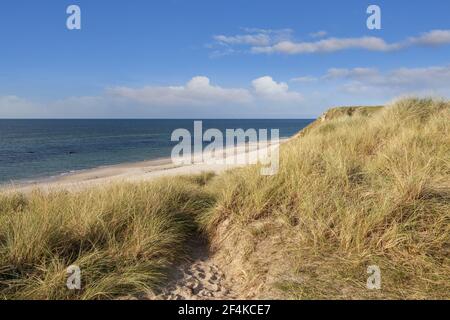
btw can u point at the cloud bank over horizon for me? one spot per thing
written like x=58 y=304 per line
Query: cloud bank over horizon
x=198 y=97
x=263 y=98
x=200 y=92
x=401 y=81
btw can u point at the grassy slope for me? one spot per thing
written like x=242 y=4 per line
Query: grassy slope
x=123 y=237
x=339 y=112
x=351 y=192
x=363 y=187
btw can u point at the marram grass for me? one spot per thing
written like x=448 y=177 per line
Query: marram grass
x=359 y=188
x=353 y=191
x=123 y=237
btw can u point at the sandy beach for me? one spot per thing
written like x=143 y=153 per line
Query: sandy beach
x=132 y=172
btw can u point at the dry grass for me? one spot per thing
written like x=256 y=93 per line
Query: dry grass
x=353 y=191
x=123 y=237
x=360 y=188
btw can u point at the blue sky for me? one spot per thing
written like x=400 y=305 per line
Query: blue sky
x=217 y=59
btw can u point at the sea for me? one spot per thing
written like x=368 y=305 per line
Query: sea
x=31 y=150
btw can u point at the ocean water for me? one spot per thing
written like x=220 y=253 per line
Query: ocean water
x=34 y=149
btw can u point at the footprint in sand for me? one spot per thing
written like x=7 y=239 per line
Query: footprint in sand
x=201 y=279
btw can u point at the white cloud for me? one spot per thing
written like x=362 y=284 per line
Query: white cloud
x=432 y=38
x=197 y=92
x=327 y=45
x=12 y=100
x=70 y=107
x=429 y=76
x=267 y=88
x=251 y=39
x=13 y=106
x=280 y=41
x=284 y=31
x=197 y=98
x=420 y=81
x=262 y=97
x=333 y=44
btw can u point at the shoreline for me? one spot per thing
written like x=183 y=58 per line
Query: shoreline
x=127 y=172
